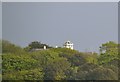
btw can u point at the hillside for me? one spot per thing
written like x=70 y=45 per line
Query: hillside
x=59 y=63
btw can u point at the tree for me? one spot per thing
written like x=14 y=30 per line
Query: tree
x=32 y=74
x=59 y=63
x=12 y=62
x=55 y=69
x=109 y=56
x=36 y=45
x=101 y=73
x=20 y=67
x=84 y=70
x=109 y=52
x=8 y=47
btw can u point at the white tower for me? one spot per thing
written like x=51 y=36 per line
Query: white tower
x=68 y=44
x=44 y=47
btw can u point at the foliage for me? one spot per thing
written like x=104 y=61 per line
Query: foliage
x=84 y=70
x=8 y=47
x=13 y=62
x=36 y=45
x=43 y=57
x=101 y=73
x=59 y=63
x=55 y=69
x=33 y=74
x=109 y=52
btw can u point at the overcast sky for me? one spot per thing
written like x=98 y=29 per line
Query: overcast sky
x=60 y=0
x=87 y=25
x=0 y=20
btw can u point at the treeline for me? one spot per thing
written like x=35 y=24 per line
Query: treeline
x=59 y=63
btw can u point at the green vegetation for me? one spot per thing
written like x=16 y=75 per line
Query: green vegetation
x=36 y=45
x=59 y=63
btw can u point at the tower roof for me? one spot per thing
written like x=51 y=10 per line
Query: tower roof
x=68 y=42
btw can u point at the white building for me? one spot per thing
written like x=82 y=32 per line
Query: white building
x=37 y=49
x=68 y=44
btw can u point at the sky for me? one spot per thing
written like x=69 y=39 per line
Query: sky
x=87 y=25
x=0 y=20
x=119 y=22
x=59 y=0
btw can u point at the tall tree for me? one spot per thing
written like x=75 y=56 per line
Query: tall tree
x=8 y=47
x=109 y=52
x=36 y=45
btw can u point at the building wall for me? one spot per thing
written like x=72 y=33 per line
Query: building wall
x=68 y=45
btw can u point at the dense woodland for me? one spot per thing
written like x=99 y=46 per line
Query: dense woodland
x=58 y=63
